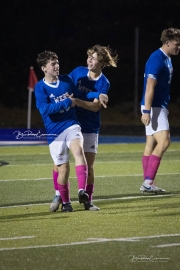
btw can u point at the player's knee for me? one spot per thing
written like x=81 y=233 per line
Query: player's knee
x=164 y=146
x=78 y=151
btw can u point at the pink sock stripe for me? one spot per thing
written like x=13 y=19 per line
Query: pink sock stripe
x=89 y=190
x=55 y=177
x=80 y=167
x=64 y=191
x=81 y=173
x=153 y=165
x=145 y=160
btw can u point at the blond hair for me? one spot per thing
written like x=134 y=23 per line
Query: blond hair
x=170 y=34
x=105 y=55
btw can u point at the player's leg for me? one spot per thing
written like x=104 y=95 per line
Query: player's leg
x=63 y=186
x=90 y=157
x=76 y=147
x=57 y=198
x=74 y=141
x=60 y=155
x=90 y=150
x=158 y=140
x=149 y=147
x=162 y=142
x=55 y=177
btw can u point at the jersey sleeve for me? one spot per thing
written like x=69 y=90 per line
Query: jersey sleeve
x=154 y=67
x=103 y=88
x=43 y=105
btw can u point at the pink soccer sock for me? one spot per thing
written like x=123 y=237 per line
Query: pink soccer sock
x=64 y=191
x=81 y=173
x=89 y=190
x=145 y=160
x=153 y=165
x=55 y=177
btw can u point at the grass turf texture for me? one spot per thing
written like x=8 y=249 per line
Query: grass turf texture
x=128 y=232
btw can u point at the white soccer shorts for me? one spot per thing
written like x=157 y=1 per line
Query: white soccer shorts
x=159 y=120
x=59 y=148
x=90 y=142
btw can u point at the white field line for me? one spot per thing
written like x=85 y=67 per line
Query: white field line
x=97 y=200
x=73 y=177
x=93 y=240
x=167 y=245
x=97 y=162
x=100 y=152
x=25 y=154
x=15 y=238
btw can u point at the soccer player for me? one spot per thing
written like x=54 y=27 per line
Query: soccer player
x=88 y=79
x=55 y=99
x=154 y=104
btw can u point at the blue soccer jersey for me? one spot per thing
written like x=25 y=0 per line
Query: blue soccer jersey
x=89 y=121
x=54 y=106
x=159 y=67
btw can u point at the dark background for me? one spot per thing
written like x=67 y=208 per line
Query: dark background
x=70 y=27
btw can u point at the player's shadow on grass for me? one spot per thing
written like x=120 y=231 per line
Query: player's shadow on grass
x=105 y=198
x=3 y=163
x=134 y=195
x=32 y=216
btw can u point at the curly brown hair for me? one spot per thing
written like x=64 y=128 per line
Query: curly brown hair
x=105 y=55
x=44 y=57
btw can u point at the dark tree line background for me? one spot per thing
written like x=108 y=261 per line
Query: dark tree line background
x=70 y=27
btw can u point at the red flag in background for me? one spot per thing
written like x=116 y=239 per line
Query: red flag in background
x=32 y=79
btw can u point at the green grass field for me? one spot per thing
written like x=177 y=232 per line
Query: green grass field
x=132 y=230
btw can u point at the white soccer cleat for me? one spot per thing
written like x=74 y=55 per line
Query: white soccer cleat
x=55 y=203
x=145 y=187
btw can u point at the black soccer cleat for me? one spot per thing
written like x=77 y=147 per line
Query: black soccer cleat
x=90 y=206
x=67 y=207
x=83 y=196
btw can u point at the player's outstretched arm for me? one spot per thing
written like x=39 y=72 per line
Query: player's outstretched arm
x=89 y=105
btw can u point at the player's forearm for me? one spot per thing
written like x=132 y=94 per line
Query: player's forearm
x=149 y=98
x=88 y=105
x=149 y=95
x=51 y=108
